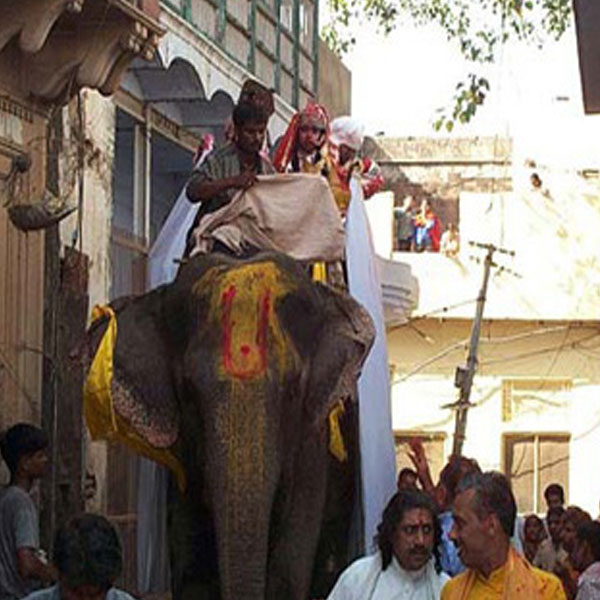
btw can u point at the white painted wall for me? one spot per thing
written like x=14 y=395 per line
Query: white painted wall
x=417 y=407
x=557 y=256
x=425 y=359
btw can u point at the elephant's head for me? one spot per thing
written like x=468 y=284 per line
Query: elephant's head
x=227 y=371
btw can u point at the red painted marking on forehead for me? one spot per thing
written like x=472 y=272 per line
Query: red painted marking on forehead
x=246 y=360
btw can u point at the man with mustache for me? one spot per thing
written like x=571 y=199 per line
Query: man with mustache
x=484 y=512
x=406 y=563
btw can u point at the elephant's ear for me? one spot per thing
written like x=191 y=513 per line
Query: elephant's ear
x=140 y=408
x=344 y=343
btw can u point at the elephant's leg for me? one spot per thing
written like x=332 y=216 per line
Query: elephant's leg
x=295 y=533
x=194 y=571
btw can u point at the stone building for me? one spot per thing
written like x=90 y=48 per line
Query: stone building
x=108 y=100
x=440 y=169
x=49 y=51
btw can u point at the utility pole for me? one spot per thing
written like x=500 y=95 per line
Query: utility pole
x=464 y=375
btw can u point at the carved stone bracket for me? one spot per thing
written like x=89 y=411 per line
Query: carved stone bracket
x=63 y=45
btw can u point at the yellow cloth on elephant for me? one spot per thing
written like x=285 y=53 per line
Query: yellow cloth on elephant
x=102 y=420
x=98 y=405
x=336 y=440
x=319 y=272
x=516 y=578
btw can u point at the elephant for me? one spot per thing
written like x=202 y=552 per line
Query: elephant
x=232 y=371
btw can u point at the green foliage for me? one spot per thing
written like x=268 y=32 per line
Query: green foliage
x=478 y=27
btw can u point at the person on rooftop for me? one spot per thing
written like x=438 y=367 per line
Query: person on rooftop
x=427 y=229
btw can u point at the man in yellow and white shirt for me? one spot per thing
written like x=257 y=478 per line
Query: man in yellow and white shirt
x=484 y=512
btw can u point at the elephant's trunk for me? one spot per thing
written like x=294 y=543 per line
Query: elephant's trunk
x=243 y=474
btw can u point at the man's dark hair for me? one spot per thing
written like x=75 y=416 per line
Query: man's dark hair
x=576 y=515
x=555 y=511
x=555 y=489
x=19 y=441
x=401 y=502
x=458 y=467
x=590 y=532
x=246 y=112
x=407 y=471
x=87 y=551
x=492 y=496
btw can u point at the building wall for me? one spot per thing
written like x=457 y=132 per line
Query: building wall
x=335 y=83
x=216 y=70
x=553 y=271
x=95 y=216
x=22 y=130
x=425 y=353
x=440 y=169
x=278 y=48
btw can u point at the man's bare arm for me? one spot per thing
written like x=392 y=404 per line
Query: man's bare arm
x=31 y=567
x=419 y=460
x=201 y=190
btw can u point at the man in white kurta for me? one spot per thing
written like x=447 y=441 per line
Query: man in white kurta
x=404 y=567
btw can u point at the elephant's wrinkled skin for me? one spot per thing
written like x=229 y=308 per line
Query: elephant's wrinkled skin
x=234 y=368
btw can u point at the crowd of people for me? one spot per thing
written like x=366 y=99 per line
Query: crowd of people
x=86 y=555
x=457 y=539
x=420 y=230
x=461 y=539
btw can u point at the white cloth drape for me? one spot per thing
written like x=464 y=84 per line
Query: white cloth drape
x=378 y=461
x=364 y=579
x=293 y=213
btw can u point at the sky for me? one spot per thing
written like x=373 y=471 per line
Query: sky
x=399 y=81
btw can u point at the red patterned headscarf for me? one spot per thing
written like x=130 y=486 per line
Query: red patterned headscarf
x=287 y=145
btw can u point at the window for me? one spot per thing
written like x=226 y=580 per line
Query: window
x=306 y=24
x=142 y=200
x=532 y=461
x=286 y=14
x=433 y=443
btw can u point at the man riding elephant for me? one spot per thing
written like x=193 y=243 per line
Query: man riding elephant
x=228 y=376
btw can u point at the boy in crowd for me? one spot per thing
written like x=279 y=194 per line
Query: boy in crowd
x=24 y=450
x=88 y=556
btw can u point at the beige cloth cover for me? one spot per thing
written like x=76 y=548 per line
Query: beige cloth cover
x=291 y=213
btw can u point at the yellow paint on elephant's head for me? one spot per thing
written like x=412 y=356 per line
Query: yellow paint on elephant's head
x=242 y=304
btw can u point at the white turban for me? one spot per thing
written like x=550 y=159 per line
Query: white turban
x=348 y=131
